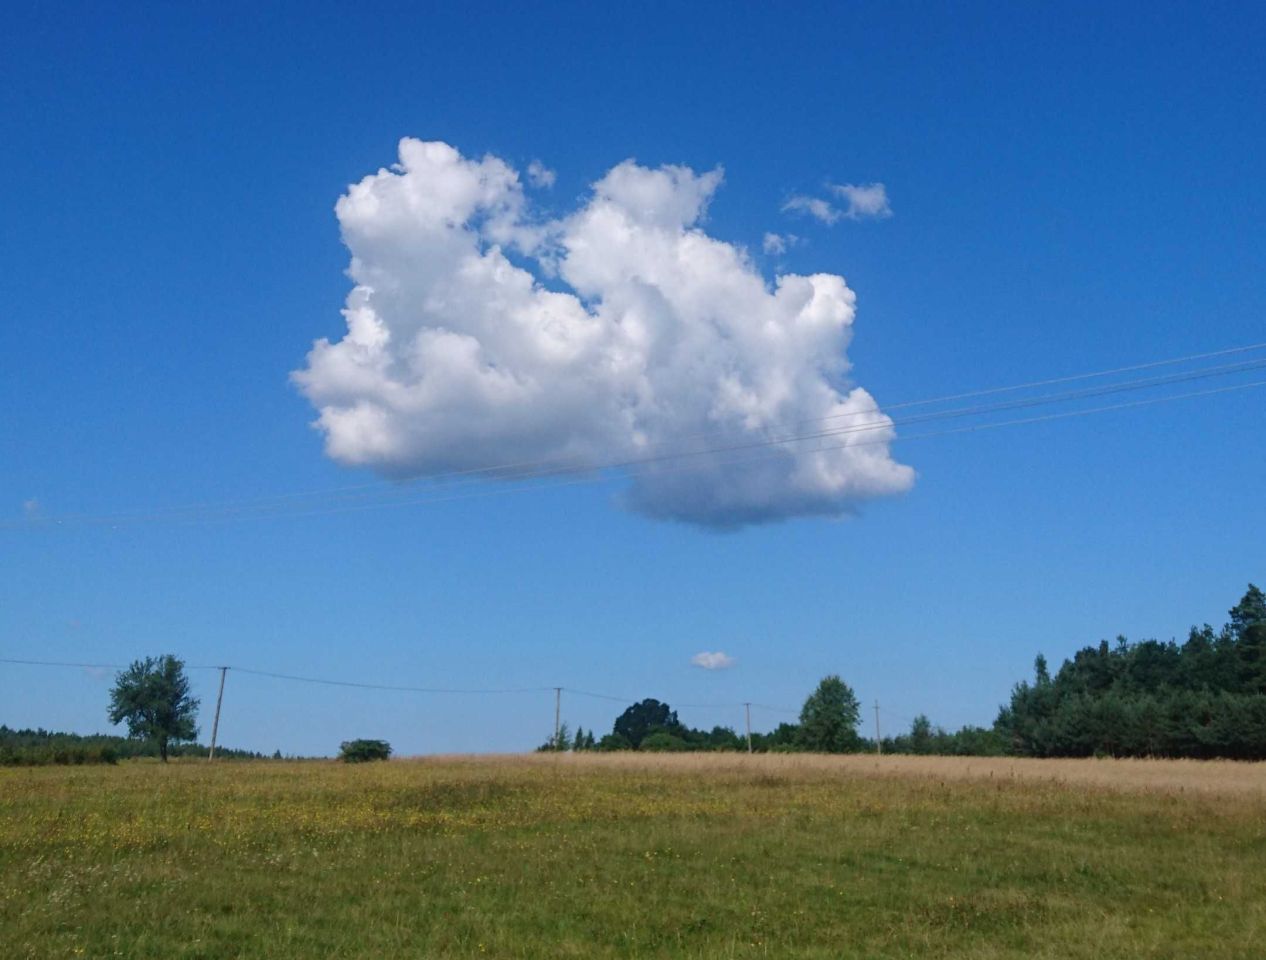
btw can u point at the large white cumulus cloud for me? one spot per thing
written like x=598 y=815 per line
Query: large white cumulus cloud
x=479 y=335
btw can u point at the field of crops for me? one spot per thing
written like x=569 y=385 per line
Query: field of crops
x=634 y=856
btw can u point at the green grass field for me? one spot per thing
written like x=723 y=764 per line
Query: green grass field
x=684 y=856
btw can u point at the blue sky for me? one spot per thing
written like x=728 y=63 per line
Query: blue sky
x=1072 y=189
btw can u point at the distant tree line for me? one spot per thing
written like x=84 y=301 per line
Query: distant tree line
x=828 y=724
x=1204 y=698
x=927 y=740
x=39 y=747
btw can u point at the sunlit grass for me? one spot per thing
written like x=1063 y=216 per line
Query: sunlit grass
x=633 y=856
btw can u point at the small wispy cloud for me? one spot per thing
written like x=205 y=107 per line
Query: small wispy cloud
x=861 y=202
x=540 y=175
x=815 y=207
x=864 y=200
x=31 y=509
x=713 y=661
x=776 y=244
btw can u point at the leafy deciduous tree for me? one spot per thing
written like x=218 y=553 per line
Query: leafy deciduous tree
x=828 y=720
x=152 y=696
x=363 y=751
x=642 y=718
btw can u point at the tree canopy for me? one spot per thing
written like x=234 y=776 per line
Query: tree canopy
x=1205 y=697
x=363 y=751
x=640 y=719
x=152 y=696
x=828 y=719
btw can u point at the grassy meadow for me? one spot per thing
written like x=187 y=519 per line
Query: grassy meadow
x=595 y=856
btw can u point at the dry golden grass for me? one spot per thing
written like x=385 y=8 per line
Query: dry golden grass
x=632 y=856
x=1216 y=777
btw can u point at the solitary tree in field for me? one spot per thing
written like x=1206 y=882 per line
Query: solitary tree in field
x=152 y=696
x=828 y=720
x=363 y=751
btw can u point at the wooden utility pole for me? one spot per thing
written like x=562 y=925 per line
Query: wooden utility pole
x=558 y=708
x=215 y=725
x=747 y=710
x=879 y=744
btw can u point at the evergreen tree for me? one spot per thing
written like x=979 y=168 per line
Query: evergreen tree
x=1252 y=658
x=1250 y=610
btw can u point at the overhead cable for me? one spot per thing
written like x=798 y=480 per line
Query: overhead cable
x=547 y=469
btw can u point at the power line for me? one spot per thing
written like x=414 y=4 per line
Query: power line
x=1133 y=368
x=1071 y=414
x=494 y=471
x=884 y=422
x=529 y=470
x=284 y=676
x=290 y=677
x=887 y=422
x=1096 y=374
x=93 y=666
x=754 y=454
x=558 y=690
x=400 y=688
x=598 y=696
x=533 y=469
x=765 y=706
x=557 y=481
x=568 y=464
x=63 y=663
x=383 y=686
x=686 y=706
